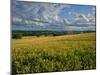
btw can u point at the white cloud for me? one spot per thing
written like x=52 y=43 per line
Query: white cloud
x=86 y=20
x=16 y=19
x=51 y=12
x=26 y=22
x=29 y=14
x=82 y=17
x=66 y=22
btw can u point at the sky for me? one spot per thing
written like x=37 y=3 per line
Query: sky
x=52 y=16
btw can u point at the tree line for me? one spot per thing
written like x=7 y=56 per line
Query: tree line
x=20 y=34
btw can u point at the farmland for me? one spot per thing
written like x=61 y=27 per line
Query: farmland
x=33 y=54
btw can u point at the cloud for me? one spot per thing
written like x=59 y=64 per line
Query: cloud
x=84 y=20
x=47 y=15
x=81 y=17
x=43 y=12
x=51 y=12
x=16 y=19
x=66 y=22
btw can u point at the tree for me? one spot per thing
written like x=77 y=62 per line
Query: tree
x=17 y=36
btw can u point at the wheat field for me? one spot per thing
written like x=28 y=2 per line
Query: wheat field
x=51 y=54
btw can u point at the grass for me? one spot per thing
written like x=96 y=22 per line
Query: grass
x=50 y=54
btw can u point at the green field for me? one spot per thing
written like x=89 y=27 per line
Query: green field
x=49 y=54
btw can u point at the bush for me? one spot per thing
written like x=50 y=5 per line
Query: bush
x=17 y=36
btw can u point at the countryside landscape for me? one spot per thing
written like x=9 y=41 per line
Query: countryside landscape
x=52 y=37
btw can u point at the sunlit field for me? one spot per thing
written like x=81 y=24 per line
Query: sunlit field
x=33 y=54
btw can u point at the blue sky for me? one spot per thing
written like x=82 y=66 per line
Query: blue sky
x=52 y=16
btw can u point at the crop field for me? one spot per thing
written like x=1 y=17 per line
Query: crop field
x=51 y=54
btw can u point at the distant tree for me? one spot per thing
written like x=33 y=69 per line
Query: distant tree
x=17 y=36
